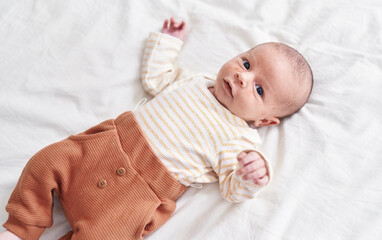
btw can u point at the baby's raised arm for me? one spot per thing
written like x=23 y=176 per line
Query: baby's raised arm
x=158 y=72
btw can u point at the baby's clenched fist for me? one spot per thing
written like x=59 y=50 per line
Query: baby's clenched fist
x=253 y=168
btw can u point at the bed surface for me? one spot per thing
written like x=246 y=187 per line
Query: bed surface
x=68 y=65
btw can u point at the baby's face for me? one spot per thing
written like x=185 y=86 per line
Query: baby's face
x=254 y=84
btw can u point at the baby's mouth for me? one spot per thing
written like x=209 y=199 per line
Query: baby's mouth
x=227 y=87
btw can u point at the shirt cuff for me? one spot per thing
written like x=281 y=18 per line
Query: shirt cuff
x=23 y=230
x=166 y=38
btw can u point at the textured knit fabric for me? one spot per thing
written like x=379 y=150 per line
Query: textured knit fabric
x=197 y=139
x=110 y=183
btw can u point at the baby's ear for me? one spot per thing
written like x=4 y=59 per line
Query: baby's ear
x=267 y=122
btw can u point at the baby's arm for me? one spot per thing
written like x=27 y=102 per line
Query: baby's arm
x=7 y=235
x=242 y=170
x=158 y=70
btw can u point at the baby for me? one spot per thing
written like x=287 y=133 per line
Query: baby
x=121 y=178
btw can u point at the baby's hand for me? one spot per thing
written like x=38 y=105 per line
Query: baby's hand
x=174 y=29
x=253 y=167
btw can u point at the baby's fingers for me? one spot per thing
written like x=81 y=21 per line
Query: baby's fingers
x=262 y=181
x=182 y=25
x=176 y=25
x=165 y=24
x=245 y=158
x=259 y=173
x=172 y=24
x=250 y=167
x=241 y=155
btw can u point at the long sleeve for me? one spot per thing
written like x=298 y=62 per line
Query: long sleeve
x=232 y=187
x=158 y=71
x=30 y=205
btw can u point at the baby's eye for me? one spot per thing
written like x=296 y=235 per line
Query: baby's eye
x=259 y=90
x=246 y=64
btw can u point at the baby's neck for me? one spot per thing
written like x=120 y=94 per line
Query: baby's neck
x=212 y=90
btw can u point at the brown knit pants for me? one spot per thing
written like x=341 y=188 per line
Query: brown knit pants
x=110 y=184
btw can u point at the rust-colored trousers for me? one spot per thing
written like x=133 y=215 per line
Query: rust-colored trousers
x=110 y=183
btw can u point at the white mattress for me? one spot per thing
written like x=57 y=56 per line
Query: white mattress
x=68 y=65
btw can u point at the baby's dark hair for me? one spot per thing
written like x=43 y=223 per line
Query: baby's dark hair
x=304 y=75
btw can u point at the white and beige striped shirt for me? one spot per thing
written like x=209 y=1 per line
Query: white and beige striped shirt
x=197 y=139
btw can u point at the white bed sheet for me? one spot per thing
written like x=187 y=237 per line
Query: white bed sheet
x=67 y=65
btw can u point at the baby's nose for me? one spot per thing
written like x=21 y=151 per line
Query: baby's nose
x=241 y=80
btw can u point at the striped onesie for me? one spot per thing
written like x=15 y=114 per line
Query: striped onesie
x=194 y=136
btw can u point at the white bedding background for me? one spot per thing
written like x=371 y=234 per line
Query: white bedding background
x=68 y=65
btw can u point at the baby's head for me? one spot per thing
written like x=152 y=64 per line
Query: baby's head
x=266 y=83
